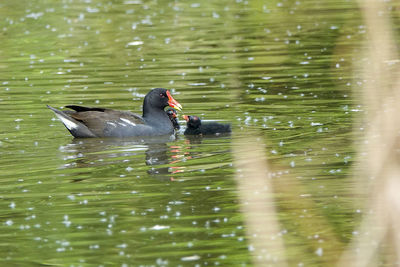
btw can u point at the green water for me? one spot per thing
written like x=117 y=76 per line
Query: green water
x=282 y=68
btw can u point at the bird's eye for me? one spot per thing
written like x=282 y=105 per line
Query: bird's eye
x=162 y=95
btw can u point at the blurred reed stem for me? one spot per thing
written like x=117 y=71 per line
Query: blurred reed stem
x=257 y=202
x=378 y=241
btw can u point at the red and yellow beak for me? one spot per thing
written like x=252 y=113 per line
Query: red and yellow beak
x=173 y=103
x=185 y=117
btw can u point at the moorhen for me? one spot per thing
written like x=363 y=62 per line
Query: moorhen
x=102 y=122
x=196 y=127
x=173 y=117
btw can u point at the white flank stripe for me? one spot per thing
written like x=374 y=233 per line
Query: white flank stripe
x=111 y=123
x=128 y=121
x=69 y=124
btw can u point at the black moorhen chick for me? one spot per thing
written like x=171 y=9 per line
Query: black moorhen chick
x=173 y=117
x=196 y=127
x=102 y=122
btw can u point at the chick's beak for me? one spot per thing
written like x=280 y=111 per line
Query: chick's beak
x=173 y=103
x=185 y=117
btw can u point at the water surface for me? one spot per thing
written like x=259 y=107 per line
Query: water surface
x=281 y=69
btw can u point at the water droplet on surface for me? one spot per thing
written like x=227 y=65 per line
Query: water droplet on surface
x=135 y=43
x=319 y=252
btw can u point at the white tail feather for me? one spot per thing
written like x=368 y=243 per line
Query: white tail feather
x=68 y=123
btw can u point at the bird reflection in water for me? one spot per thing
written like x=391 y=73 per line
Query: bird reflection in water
x=87 y=154
x=133 y=157
x=162 y=155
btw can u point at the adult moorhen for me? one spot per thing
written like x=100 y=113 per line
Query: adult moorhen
x=173 y=117
x=102 y=122
x=196 y=127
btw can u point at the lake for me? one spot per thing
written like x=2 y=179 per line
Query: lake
x=282 y=71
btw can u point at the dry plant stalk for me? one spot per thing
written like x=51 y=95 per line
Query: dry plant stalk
x=257 y=202
x=380 y=229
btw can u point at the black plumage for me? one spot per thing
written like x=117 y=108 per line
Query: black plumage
x=172 y=114
x=196 y=127
x=102 y=122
